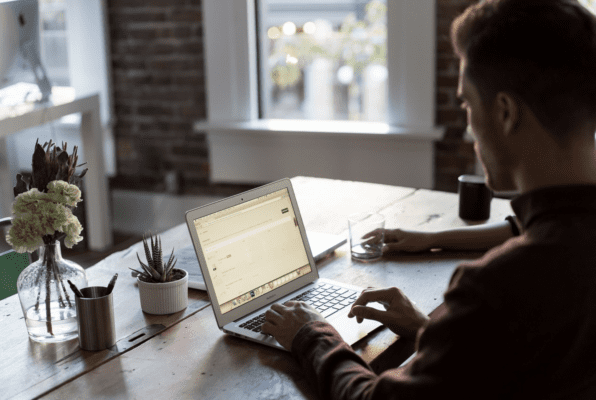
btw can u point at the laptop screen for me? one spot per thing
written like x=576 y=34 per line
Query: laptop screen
x=252 y=248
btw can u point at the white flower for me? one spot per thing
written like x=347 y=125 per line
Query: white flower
x=24 y=236
x=37 y=214
x=72 y=229
x=65 y=193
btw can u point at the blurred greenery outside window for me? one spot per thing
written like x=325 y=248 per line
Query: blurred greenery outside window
x=324 y=69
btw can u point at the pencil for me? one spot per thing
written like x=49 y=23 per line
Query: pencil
x=111 y=284
x=75 y=289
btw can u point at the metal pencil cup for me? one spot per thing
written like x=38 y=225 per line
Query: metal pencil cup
x=95 y=318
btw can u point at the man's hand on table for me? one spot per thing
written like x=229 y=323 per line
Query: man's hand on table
x=403 y=240
x=401 y=315
x=283 y=321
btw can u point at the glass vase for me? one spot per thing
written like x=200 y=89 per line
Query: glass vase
x=47 y=301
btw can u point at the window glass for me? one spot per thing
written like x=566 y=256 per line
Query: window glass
x=53 y=41
x=323 y=59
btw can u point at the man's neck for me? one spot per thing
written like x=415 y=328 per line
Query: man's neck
x=573 y=166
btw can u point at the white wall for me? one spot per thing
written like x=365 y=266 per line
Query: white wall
x=139 y=212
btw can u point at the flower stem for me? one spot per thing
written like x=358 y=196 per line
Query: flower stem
x=38 y=286
x=48 y=302
x=60 y=283
x=49 y=259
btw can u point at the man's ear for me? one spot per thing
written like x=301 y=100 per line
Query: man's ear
x=507 y=112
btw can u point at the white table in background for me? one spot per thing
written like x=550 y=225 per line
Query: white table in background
x=64 y=102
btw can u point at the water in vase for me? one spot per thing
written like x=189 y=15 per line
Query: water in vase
x=64 y=323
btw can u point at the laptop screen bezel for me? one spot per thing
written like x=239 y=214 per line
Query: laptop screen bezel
x=270 y=297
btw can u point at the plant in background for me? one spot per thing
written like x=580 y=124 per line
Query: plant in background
x=42 y=215
x=155 y=270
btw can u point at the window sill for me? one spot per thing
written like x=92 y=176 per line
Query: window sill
x=332 y=129
x=266 y=150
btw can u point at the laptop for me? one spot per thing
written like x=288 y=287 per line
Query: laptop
x=253 y=251
x=321 y=245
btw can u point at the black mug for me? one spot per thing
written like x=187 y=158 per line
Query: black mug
x=474 y=198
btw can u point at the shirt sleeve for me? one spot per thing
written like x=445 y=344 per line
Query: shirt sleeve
x=460 y=352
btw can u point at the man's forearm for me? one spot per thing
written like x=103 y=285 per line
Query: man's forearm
x=479 y=237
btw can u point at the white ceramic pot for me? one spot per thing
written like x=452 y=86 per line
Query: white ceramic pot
x=164 y=298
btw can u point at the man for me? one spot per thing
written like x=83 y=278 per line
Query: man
x=519 y=323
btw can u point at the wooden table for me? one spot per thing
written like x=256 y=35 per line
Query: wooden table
x=64 y=102
x=184 y=355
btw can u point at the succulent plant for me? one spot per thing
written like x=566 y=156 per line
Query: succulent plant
x=155 y=270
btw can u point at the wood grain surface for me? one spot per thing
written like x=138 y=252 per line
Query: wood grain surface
x=29 y=369
x=196 y=360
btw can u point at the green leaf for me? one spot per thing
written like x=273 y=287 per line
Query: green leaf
x=170 y=259
x=147 y=253
x=171 y=267
x=159 y=256
x=137 y=271
x=142 y=274
x=145 y=267
x=156 y=276
x=157 y=261
x=153 y=252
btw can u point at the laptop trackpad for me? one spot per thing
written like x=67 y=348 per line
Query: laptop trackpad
x=349 y=329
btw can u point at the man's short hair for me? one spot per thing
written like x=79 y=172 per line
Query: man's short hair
x=542 y=52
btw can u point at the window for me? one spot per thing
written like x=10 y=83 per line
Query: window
x=247 y=146
x=53 y=41
x=323 y=60
x=232 y=67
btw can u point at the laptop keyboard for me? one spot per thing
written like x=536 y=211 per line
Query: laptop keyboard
x=326 y=299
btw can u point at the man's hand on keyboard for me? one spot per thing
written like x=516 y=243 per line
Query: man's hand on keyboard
x=401 y=315
x=284 y=321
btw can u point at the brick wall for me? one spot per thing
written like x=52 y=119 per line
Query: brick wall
x=453 y=156
x=159 y=91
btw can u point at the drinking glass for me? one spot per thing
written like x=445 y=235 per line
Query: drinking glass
x=366 y=235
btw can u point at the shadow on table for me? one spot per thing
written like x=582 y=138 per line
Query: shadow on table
x=54 y=352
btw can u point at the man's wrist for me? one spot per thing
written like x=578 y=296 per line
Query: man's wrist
x=423 y=318
x=309 y=332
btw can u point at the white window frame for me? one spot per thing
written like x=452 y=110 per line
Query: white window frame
x=246 y=149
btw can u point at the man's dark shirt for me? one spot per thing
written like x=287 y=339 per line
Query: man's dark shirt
x=519 y=323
